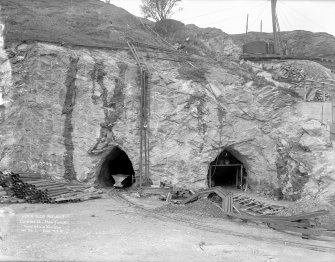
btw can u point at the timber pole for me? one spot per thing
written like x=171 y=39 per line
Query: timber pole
x=274 y=27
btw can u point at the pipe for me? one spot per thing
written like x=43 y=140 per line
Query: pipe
x=46 y=183
x=56 y=190
x=50 y=186
x=58 y=193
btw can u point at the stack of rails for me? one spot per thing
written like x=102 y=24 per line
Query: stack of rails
x=36 y=190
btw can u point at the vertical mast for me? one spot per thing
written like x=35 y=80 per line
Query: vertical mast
x=246 y=28
x=247 y=25
x=274 y=26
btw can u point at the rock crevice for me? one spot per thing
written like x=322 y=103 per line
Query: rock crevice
x=69 y=103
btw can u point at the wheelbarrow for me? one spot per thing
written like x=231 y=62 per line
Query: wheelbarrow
x=119 y=178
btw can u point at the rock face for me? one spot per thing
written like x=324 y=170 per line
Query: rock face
x=64 y=109
x=210 y=42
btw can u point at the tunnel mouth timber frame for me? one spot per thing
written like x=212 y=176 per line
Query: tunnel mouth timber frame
x=226 y=170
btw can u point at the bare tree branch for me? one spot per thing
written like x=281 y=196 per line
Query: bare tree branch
x=158 y=9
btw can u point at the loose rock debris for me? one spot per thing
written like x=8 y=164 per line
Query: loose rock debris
x=201 y=208
x=304 y=223
x=168 y=194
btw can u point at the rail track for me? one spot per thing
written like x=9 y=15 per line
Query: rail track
x=218 y=230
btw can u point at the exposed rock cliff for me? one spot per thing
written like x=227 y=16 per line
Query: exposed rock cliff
x=67 y=108
x=64 y=109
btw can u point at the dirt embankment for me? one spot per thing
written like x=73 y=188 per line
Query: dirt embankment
x=77 y=22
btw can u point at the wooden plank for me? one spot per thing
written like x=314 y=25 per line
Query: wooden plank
x=220 y=192
x=302 y=224
x=251 y=207
x=196 y=195
x=247 y=201
x=241 y=201
x=265 y=206
x=254 y=203
x=227 y=204
x=299 y=216
x=269 y=219
x=230 y=206
x=249 y=217
x=236 y=209
x=168 y=197
x=224 y=191
x=191 y=198
x=238 y=198
x=304 y=231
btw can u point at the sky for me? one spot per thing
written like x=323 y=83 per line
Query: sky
x=231 y=15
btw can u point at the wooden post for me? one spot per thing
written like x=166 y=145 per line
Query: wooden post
x=261 y=26
x=241 y=177
x=274 y=27
x=246 y=29
x=305 y=93
x=236 y=178
x=332 y=125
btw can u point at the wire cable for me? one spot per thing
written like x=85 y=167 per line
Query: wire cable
x=206 y=14
x=301 y=15
x=259 y=15
x=230 y=18
x=283 y=18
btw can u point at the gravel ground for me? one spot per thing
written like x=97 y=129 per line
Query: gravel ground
x=201 y=208
x=310 y=205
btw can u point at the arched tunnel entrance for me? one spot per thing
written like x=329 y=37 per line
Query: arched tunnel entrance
x=226 y=171
x=116 y=164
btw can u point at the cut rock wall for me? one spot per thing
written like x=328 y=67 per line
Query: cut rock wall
x=69 y=107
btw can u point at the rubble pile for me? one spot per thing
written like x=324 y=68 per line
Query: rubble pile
x=200 y=208
x=299 y=70
x=290 y=72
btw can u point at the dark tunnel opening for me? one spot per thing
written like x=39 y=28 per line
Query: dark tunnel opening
x=116 y=163
x=226 y=171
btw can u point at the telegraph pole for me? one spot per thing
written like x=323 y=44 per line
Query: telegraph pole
x=274 y=26
x=261 y=26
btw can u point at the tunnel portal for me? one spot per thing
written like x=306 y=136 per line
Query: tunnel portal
x=226 y=171
x=116 y=163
